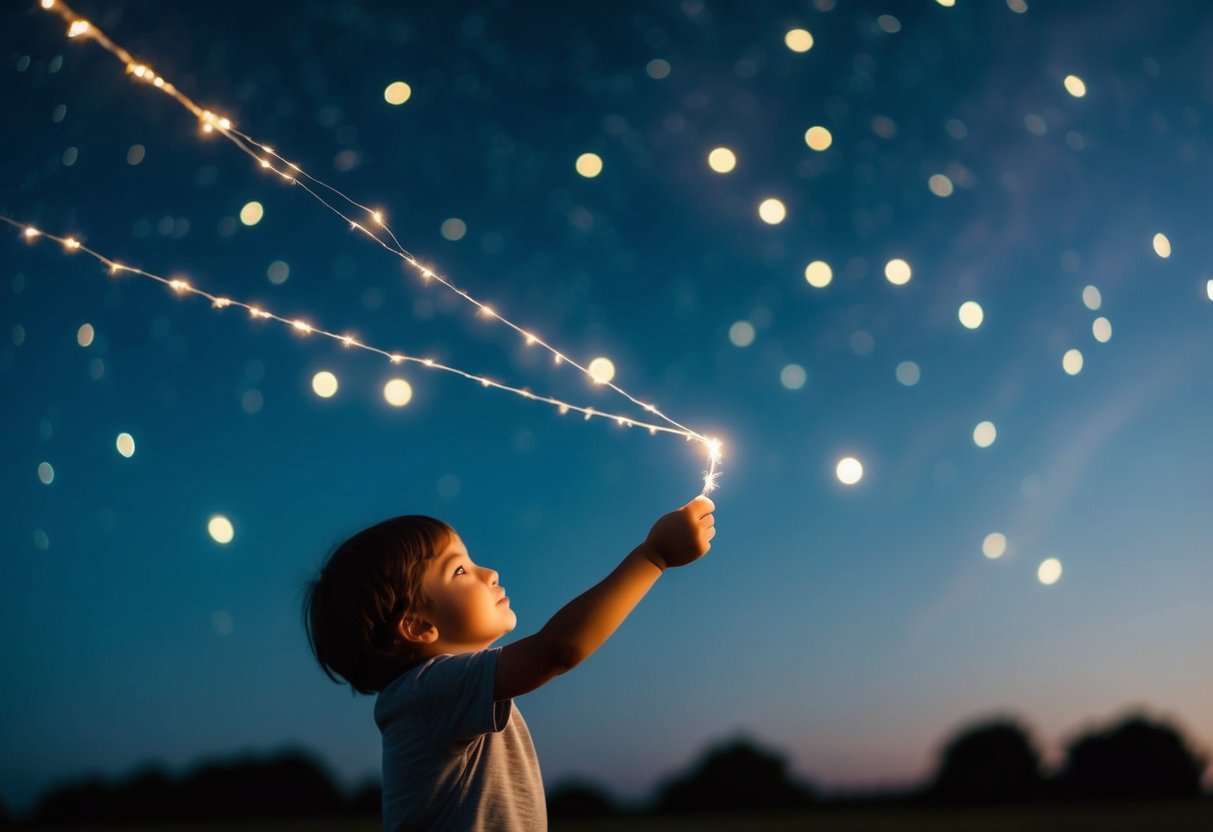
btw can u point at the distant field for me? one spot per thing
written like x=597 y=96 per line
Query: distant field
x=1189 y=817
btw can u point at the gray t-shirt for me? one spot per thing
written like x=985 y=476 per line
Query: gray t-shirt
x=453 y=759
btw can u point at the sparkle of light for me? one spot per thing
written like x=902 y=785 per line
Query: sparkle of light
x=908 y=373
x=589 y=165
x=1075 y=86
x=722 y=160
x=397 y=392
x=897 y=271
x=971 y=314
x=1071 y=362
x=1091 y=298
x=251 y=213
x=220 y=529
x=940 y=185
x=125 y=445
x=324 y=384
x=849 y=470
x=46 y=473
x=984 y=434
x=741 y=334
x=994 y=546
x=772 y=211
x=818 y=138
x=1162 y=246
x=818 y=274
x=1101 y=328
x=602 y=370
x=397 y=93
x=798 y=40
x=1049 y=571
x=85 y=334
x=792 y=376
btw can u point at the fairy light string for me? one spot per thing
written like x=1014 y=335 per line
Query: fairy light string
x=293 y=174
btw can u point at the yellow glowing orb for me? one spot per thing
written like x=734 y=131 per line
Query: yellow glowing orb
x=220 y=529
x=984 y=434
x=84 y=335
x=1101 y=328
x=1091 y=298
x=798 y=40
x=602 y=370
x=1071 y=362
x=251 y=213
x=126 y=445
x=947 y=4
x=818 y=274
x=397 y=392
x=722 y=160
x=897 y=271
x=741 y=334
x=1162 y=246
x=818 y=138
x=994 y=546
x=940 y=185
x=971 y=314
x=324 y=384
x=849 y=470
x=1049 y=571
x=1075 y=86
x=772 y=211
x=589 y=165
x=397 y=93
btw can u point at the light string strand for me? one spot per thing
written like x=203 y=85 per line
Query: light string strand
x=79 y=27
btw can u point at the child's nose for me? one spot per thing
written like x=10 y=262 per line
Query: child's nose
x=491 y=576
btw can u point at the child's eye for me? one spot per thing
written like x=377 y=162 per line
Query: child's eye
x=460 y=570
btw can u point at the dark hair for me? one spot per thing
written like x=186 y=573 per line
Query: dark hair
x=351 y=611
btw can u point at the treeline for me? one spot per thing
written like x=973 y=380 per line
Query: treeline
x=993 y=761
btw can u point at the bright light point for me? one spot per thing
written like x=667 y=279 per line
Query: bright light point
x=31 y=232
x=78 y=27
x=984 y=434
x=251 y=213
x=1101 y=328
x=454 y=229
x=971 y=314
x=741 y=334
x=818 y=138
x=71 y=243
x=1162 y=246
x=792 y=376
x=940 y=185
x=46 y=4
x=1091 y=298
x=1071 y=362
x=772 y=211
x=1049 y=571
x=1209 y=289
x=897 y=271
x=397 y=392
x=947 y=4
x=1075 y=86
x=994 y=546
x=220 y=529
x=602 y=370
x=324 y=384
x=46 y=473
x=377 y=216
x=722 y=160
x=397 y=93
x=849 y=470
x=908 y=373
x=84 y=335
x=302 y=326
x=818 y=274
x=589 y=165
x=798 y=40
x=126 y=445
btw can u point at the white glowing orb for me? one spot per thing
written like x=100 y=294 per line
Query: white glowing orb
x=741 y=333
x=994 y=546
x=722 y=160
x=397 y=392
x=1071 y=362
x=984 y=434
x=908 y=373
x=792 y=376
x=1101 y=328
x=818 y=138
x=125 y=445
x=1049 y=571
x=602 y=370
x=324 y=384
x=589 y=165
x=897 y=271
x=454 y=229
x=84 y=335
x=1092 y=298
x=798 y=40
x=772 y=211
x=849 y=470
x=251 y=213
x=1162 y=246
x=397 y=92
x=1209 y=289
x=947 y=4
x=971 y=314
x=940 y=185
x=1075 y=86
x=818 y=274
x=46 y=473
x=220 y=529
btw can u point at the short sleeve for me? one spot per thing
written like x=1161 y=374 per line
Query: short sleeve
x=456 y=694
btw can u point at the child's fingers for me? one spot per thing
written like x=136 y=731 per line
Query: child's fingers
x=700 y=506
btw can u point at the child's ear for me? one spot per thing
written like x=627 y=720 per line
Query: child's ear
x=417 y=630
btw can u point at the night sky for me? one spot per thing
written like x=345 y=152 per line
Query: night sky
x=850 y=626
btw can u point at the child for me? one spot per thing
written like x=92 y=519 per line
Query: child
x=402 y=610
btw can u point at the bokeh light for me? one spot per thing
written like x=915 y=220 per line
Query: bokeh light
x=722 y=160
x=940 y=185
x=1091 y=298
x=971 y=314
x=1101 y=328
x=657 y=69
x=1209 y=289
x=85 y=334
x=994 y=546
x=849 y=470
x=908 y=373
x=125 y=444
x=818 y=274
x=818 y=138
x=792 y=376
x=397 y=392
x=798 y=40
x=1075 y=86
x=454 y=229
x=1162 y=245
x=397 y=92
x=772 y=211
x=324 y=384
x=897 y=271
x=277 y=272
x=220 y=529
x=602 y=370
x=589 y=165
x=46 y=473
x=741 y=333
x=984 y=434
x=1071 y=362
x=1049 y=571
x=251 y=213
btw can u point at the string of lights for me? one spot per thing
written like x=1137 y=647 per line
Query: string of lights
x=293 y=174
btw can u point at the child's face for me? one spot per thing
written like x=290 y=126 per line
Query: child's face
x=465 y=602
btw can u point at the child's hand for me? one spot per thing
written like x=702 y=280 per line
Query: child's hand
x=682 y=536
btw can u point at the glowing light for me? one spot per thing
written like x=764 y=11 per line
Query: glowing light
x=220 y=529
x=84 y=335
x=792 y=376
x=397 y=92
x=940 y=185
x=741 y=333
x=251 y=213
x=1075 y=86
x=78 y=28
x=1209 y=289
x=722 y=160
x=1049 y=571
x=324 y=384
x=1091 y=298
x=602 y=370
x=46 y=4
x=849 y=470
x=971 y=314
x=589 y=165
x=947 y=4
x=818 y=274
x=71 y=244
x=31 y=233
x=798 y=40
x=818 y=138
x=657 y=69
x=888 y=23
x=125 y=445
x=397 y=392
x=994 y=546
x=984 y=434
x=1101 y=328
x=46 y=473
x=278 y=272
x=897 y=271
x=1071 y=362
x=772 y=211
x=1162 y=246
x=1017 y=6
x=908 y=373
x=454 y=229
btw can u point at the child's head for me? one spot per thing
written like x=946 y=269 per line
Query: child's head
x=352 y=611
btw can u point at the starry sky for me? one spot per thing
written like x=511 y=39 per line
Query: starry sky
x=962 y=249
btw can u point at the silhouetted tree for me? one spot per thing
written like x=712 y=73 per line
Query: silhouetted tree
x=734 y=777
x=367 y=799
x=989 y=762
x=577 y=800
x=1136 y=759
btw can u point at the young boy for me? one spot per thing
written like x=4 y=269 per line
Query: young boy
x=402 y=610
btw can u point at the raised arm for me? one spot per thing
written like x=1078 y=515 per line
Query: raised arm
x=582 y=625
